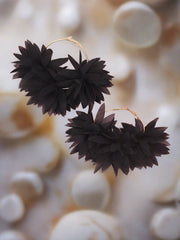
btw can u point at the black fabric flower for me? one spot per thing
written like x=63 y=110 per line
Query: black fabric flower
x=86 y=133
x=143 y=145
x=55 y=88
x=123 y=148
x=87 y=82
x=39 y=78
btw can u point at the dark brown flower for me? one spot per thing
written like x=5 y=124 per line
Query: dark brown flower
x=87 y=82
x=123 y=148
x=58 y=89
x=85 y=132
x=39 y=78
x=143 y=145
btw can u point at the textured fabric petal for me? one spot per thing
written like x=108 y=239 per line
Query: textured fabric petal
x=125 y=148
x=38 y=73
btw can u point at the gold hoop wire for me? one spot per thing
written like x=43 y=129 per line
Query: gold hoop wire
x=129 y=110
x=70 y=39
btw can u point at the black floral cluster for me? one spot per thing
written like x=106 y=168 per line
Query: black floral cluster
x=125 y=148
x=57 y=89
x=54 y=87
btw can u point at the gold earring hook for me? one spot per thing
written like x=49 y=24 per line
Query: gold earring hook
x=129 y=110
x=70 y=39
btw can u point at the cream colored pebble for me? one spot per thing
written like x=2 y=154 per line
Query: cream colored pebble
x=16 y=118
x=165 y=224
x=45 y=153
x=137 y=24
x=12 y=235
x=28 y=185
x=120 y=67
x=39 y=153
x=91 y=191
x=86 y=225
x=69 y=16
x=11 y=208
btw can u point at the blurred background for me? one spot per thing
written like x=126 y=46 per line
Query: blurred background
x=140 y=42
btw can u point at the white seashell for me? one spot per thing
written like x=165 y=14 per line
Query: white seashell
x=137 y=24
x=69 y=16
x=86 y=225
x=90 y=190
x=28 y=185
x=12 y=235
x=11 y=208
x=16 y=118
x=165 y=224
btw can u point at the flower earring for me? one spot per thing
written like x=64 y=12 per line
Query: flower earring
x=53 y=86
x=102 y=142
x=57 y=89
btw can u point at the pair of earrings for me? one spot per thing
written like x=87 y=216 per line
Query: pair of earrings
x=58 y=89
